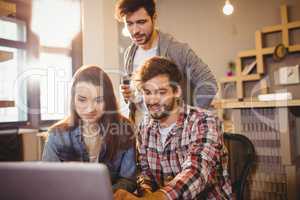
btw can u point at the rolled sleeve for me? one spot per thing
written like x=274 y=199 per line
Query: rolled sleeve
x=127 y=174
x=198 y=74
x=50 y=152
x=128 y=166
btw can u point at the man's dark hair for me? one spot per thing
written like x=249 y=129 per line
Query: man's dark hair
x=156 y=66
x=124 y=7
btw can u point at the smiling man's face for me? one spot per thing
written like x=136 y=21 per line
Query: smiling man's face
x=160 y=97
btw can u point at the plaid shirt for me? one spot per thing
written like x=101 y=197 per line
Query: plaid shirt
x=193 y=162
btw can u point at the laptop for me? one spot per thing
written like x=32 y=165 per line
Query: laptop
x=54 y=181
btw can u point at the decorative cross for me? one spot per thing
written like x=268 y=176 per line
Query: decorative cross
x=259 y=52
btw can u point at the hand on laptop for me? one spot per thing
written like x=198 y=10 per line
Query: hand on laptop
x=121 y=194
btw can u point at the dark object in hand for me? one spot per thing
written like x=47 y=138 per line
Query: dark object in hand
x=126 y=81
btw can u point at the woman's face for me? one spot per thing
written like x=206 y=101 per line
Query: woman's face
x=89 y=102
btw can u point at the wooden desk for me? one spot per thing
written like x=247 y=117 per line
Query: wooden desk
x=7 y=8
x=30 y=147
x=5 y=104
x=5 y=56
x=254 y=103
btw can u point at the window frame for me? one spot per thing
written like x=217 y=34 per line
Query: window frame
x=17 y=45
x=33 y=49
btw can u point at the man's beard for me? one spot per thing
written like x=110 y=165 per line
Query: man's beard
x=147 y=37
x=166 y=110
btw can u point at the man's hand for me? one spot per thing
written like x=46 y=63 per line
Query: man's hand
x=145 y=189
x=121 y=194
x=126 y=92
x=158 y=195
x=124 y=195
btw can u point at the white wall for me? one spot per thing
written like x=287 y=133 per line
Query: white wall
x=100 y=37
x=217 y=38
x=93 y=35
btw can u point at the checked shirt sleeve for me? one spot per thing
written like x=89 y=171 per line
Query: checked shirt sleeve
x=199 y=166
x=145 y=176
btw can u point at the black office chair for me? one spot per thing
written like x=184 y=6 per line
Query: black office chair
x=241 y=159
x=10 y=145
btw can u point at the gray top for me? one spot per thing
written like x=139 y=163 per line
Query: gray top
x=199 y=85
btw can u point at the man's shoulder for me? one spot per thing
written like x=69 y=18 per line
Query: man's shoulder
x=204 y=121
x=196 y=113
x=168 y=39
x=172 y=48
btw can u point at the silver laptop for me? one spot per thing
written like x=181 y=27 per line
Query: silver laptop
x=54 y=181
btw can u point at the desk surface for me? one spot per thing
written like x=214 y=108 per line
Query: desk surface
x=5 y=104
x=231 y=104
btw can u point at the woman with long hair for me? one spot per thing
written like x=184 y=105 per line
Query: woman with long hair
x=94 y=131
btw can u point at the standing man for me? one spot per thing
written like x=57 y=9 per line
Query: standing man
x=139 y=17
x=181 y=150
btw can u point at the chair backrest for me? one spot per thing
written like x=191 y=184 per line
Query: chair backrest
x=10 y=145
x=241 y=159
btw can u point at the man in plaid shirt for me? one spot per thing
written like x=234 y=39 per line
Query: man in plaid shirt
x=181 y=150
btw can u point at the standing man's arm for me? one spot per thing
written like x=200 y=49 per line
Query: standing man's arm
x=198 y=74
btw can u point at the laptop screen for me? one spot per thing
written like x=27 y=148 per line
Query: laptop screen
x=54 y=181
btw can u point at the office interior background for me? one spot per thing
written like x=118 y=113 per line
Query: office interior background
x=41 y=47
